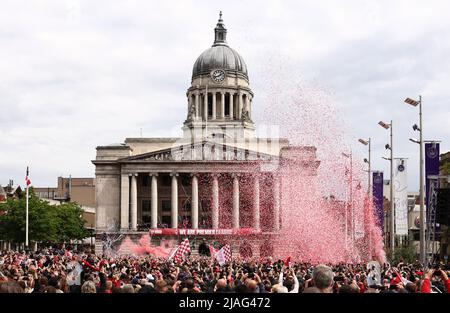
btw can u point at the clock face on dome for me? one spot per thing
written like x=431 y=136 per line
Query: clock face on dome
x=218 y=76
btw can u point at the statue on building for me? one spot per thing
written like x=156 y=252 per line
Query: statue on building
x=245 y=116
x=191 y=113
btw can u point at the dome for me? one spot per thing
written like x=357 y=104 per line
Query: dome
x=220 y=56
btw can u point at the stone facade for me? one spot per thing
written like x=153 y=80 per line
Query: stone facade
x=212 y=182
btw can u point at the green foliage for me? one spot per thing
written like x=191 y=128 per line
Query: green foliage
x=47 y=223
x=446 y=168
x=406 y=253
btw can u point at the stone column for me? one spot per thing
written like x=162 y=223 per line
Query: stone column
x=174 y=198
x=276 y=202
x=154 y=204
x=194 y=204
x=133 y=201
x=197 y=107
x=231 y=105
x=205 y=107
x=240 y=106
x=235 y=218
x=214 y=108
x=256 y=212
x=215 y=201
x=222 y=105
x=124 y=202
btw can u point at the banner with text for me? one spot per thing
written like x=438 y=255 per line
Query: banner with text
x=431 y=165
x=378 y=198
x=401 y=197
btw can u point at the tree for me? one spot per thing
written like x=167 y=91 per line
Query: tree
x=47 y=223
x=406 y=253
x=70 y=222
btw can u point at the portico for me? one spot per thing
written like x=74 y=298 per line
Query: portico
x=181 y=194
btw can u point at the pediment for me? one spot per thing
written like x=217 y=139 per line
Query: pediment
x=202 y=151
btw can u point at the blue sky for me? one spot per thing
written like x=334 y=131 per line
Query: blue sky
x=78 y=74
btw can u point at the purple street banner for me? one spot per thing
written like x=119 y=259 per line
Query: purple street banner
x=431 y=166
x=377 y=191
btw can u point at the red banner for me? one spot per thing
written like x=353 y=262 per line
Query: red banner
x=203 y=232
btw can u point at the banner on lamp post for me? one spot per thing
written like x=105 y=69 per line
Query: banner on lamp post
x=431 y=168
x=401 y=197
x=431 y=165
x=378 y=198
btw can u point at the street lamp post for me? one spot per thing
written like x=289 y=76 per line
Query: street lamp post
x=421 y=179
x=369 y=189
x=368 y=161
x=391 y=185
x=349 y=156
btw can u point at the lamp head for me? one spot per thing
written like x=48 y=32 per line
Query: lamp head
x=384 y=125
x=364 y=142
x=412 y=102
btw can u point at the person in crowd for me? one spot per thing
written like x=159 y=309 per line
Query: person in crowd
x=62 y=271
x=88 y=287
x=323 y=278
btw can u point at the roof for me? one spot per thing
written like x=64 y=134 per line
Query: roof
x=220 y=56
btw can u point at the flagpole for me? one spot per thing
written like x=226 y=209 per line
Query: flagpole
x=26 y=214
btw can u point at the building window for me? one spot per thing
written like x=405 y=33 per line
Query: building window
x=186 y=206
x=166 y=181
x=145 y=181
x=146 y=205
x=185 y=180
x=227 y=104
x=205 y=205
x=166 y=220
x=166 y=205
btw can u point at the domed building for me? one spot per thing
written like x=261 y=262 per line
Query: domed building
x=219 y=182
x=219 y=99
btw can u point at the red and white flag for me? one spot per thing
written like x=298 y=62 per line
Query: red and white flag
x=182 y=249
x=223 y=256
x=27 y=179
x=213 y=251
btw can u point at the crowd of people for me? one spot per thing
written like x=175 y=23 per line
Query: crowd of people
x=65 y=271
